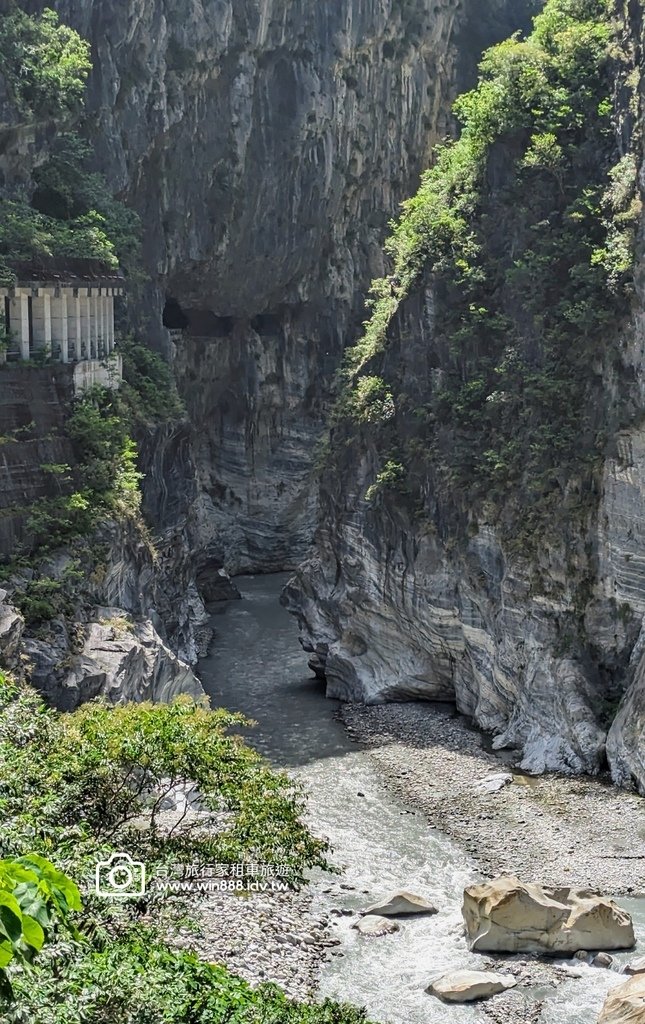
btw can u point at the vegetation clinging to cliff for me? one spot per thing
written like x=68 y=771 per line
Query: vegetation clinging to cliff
x=70 y=214
x=70 y=211
x=524 y=231
x=45 y=64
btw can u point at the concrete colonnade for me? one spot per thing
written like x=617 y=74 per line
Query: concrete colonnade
x=65 y=323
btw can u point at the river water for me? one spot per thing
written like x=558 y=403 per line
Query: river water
x=257 y=667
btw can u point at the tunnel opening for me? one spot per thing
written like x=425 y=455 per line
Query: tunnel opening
x=174 y=317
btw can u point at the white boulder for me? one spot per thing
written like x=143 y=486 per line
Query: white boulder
x=467 y=986
x=373 y=925
x=508 y=916
x=399 y=903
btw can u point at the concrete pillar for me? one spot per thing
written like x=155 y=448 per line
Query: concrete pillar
x=42 y=320
x=73 y=324
x=94 y=327
x=19 y=316
x=100 y=326
x=86 y=329
x=111 y=320
x=59 y=327
x=106 y=324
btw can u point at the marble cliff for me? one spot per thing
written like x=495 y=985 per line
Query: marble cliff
x=266 y=144
x=541 y=647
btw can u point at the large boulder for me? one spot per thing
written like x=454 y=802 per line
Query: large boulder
x=398 y=903
x=466 y=986
x=507 y=916
x=625 y=1004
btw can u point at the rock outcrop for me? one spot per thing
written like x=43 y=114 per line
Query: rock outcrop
x=126 y=620
x=12 y=627
x=411 y=595
x=626 y=1003
x=117 y=658
x=507 y=916
x=468 y=986
x=626 y=739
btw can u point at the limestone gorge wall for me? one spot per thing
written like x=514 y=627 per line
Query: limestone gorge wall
x=545 y=650
x=266 y=143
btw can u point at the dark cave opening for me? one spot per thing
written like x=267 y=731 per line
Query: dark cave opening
x=174 y=317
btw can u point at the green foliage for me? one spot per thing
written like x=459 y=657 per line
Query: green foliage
x=67 y=191
x=52 y=522
x=27 y=234
x=88 y=783
x=71 y=213
x=44 y=64
x=35 y=900
x=371 y=401
x=524 y=229
x=40 y=600
x=138 y=980
x=388 y=478
x=79 y=787
x=107 y=456
x=149 y=387
x=105 y=480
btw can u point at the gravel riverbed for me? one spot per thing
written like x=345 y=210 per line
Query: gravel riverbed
x=553 y=829
x=261 y=937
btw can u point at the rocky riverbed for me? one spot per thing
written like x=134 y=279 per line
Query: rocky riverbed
x=403 y=793
x=274 y=937
x=578 y=831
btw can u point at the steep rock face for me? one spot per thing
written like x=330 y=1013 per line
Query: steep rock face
x=391 y=610
x=117 y=658
x=265 y=144
x=130 y=630
x=540 y=649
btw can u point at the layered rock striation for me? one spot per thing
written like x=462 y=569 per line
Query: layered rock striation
x=265 y=144
x=423 y=588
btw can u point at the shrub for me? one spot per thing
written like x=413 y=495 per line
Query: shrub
x=150 y=390
x=84 y=785
x=45 y=64
x=138 y=980
x=81 y=785
x=35 y=901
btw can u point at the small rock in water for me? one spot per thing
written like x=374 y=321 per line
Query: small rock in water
x=467 y=986
x=602 y=960
x=373 y=925
x=636 y=966
x=581 y=954
x=572 y=972
x=401 y=903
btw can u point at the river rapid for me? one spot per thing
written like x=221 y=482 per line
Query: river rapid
x=258 y=667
